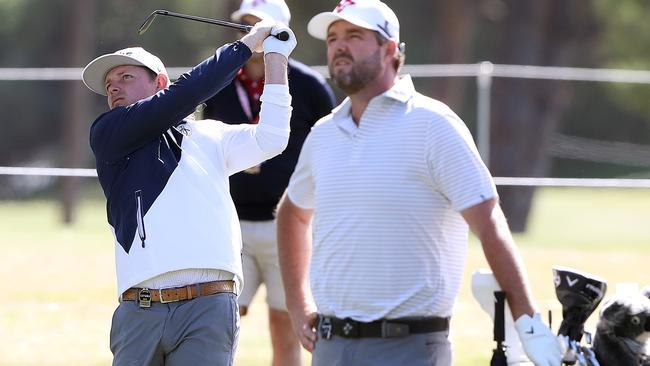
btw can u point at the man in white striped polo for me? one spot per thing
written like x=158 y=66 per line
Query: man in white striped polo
x=389 y=183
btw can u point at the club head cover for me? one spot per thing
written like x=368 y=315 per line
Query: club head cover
x=579 y=293
x=483 y=287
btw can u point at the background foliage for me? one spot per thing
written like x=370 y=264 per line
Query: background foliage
x=42 y=34
x=45 y=123
x=64 y=320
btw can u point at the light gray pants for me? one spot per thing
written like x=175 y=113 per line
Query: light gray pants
x=198 y=332
x=427 y=349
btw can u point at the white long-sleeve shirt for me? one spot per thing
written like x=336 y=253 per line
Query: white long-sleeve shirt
x=165 y=178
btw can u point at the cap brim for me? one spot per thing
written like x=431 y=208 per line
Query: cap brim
x=94 y=74
x=320 y=23
x=236 y=16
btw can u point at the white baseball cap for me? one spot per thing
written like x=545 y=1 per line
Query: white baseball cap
x=369 y=14
x=94 y=74
x=276 y=10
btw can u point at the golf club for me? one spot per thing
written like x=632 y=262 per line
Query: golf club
x=283 y=36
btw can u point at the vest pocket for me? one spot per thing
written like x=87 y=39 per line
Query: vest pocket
x=139 y=216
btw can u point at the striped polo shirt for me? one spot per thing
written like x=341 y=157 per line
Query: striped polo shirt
x=388 y=237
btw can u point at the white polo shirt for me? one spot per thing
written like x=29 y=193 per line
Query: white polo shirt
x=388 y=238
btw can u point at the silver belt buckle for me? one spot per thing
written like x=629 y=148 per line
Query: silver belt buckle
x=326 y=327
x=144 y=298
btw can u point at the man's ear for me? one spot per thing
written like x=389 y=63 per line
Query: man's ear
x=162 y=81
x=391 y=49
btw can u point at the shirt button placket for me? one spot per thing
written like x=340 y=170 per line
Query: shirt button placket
x=355 y=157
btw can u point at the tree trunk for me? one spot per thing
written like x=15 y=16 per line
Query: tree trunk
x=526 y=112
x=454 y=29
x=76 y=116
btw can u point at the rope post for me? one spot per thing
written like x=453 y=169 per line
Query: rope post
x=484 y=95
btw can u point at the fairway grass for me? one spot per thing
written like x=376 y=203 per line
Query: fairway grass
x=59 y=282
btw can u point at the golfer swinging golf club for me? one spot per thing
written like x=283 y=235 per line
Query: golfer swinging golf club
x=165 y=177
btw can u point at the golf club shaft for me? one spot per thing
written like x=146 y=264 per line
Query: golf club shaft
x=241 y=27
x=283 y=36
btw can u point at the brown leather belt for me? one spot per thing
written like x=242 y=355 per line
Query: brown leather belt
x=145 y=296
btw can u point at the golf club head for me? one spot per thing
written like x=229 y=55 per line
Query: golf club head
x=147 y=22
x=579 y=293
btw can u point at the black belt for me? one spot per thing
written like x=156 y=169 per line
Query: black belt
x=348 y=328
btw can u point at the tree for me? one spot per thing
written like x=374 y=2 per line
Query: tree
x=78 y=42
x=525 y=112
x=626 y=31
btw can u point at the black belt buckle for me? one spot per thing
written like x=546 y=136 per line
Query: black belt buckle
x=144 y=298
x=394 y=330
x=326 y=327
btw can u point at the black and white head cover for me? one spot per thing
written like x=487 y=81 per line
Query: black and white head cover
x=579 y=293
x=623 y=331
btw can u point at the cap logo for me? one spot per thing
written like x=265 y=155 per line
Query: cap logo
x=257 y=3
x=385 y=29
x=343 y=4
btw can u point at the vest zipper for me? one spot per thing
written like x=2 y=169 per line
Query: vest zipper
x=139 y=216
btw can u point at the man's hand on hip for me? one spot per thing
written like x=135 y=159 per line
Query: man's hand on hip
x=304 y=325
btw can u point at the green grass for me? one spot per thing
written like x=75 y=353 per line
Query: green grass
x=59 y=282
x=590 y=218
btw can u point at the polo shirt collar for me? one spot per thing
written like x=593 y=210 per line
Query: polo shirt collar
x=402 y=91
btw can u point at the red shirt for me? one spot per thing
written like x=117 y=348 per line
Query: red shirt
x=253 y=89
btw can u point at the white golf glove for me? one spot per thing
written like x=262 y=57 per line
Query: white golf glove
x=272 y=44
x=539 y=343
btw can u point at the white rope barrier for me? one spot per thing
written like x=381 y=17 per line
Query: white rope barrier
x=52 y=172
x=483 y=69
x=501 y=181
x=422 y=70
x=599 y=151
x=573 y=182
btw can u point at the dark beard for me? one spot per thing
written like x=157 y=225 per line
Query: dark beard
x=361 y=73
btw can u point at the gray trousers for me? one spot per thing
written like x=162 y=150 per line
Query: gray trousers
x=203 y=331
x=430 y=349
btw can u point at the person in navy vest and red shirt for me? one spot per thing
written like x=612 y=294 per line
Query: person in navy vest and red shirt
x=256 y=191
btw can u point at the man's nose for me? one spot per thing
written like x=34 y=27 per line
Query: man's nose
x=339 y=46
x=112 y=88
